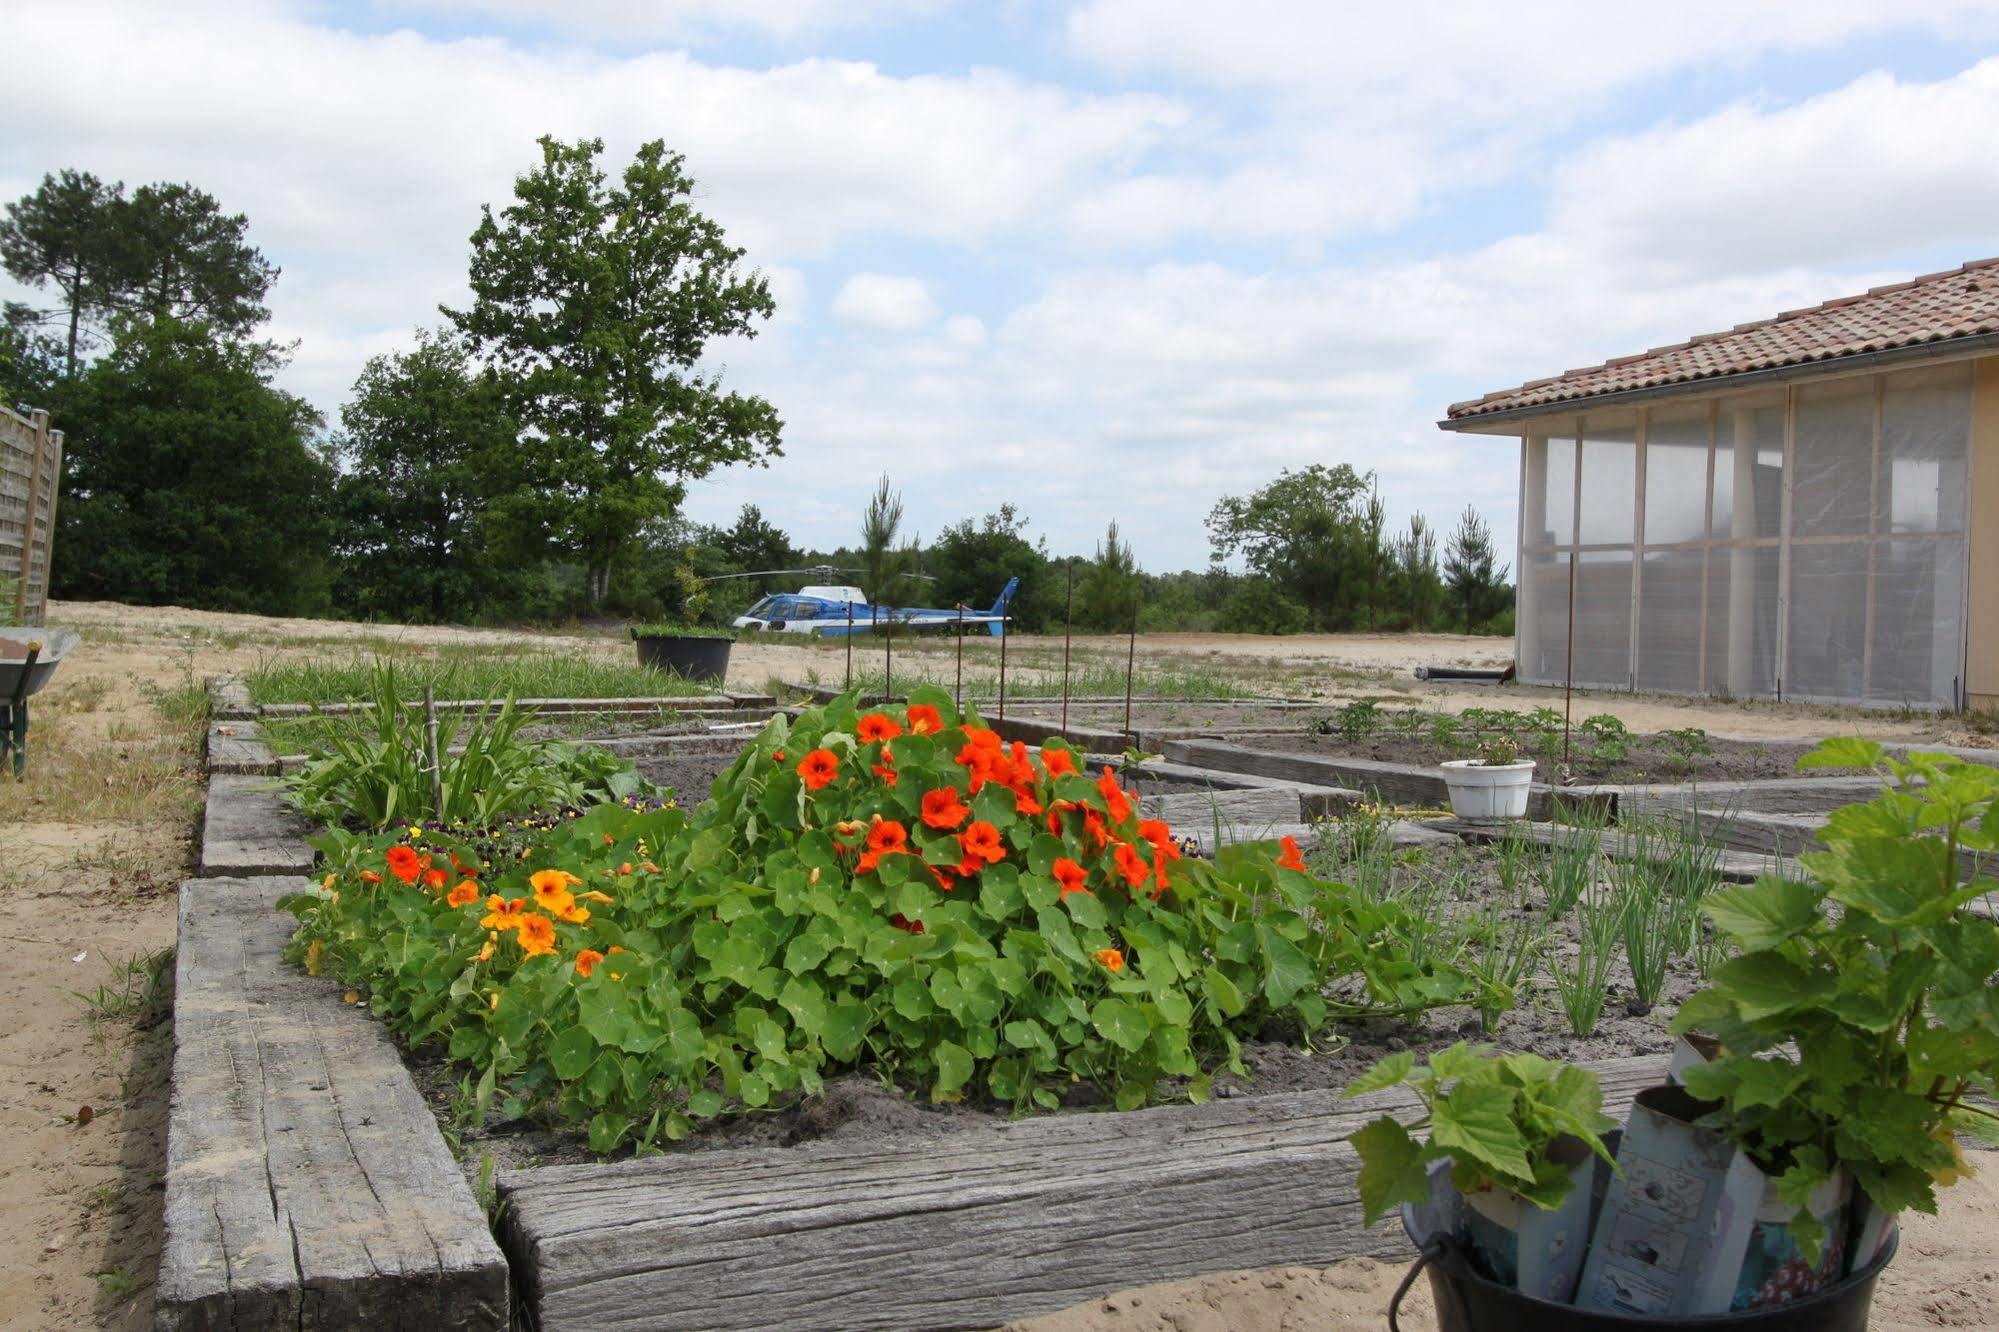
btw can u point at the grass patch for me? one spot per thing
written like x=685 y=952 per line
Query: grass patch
x=496 y=673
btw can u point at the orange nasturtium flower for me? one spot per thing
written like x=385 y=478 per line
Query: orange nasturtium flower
x=818 y=768
x=1070 y=876
x=369 y=876
x=502 y=914
x=536 y=934
x=982 y=842
x=924 y=719
x=586 y=962
x=1131 y=865
x=405 y=863
x=1111 y=959
x=887 y=836
x=551 y=889
x=1292 y=859
x=1115 y=799
x=943 y=810
x=432 y=876
x=877 y=726
x=886 y=768
x=1057 y=762
x=466 y=893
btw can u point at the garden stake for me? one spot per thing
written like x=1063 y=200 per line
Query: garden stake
x=958 y=689
x=888 y=661
x=1569 y=670
x=850 y=648
x=1130 y=661
x=431 y=754
x=1068 y=615
x=1002 y=684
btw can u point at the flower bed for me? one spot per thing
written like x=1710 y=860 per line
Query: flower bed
x=897 y=890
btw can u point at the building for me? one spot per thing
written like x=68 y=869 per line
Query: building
x=1804 y=508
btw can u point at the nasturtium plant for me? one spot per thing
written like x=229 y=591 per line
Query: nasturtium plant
x=897 y=889
x=1494 y=1116
x=1860 y=1020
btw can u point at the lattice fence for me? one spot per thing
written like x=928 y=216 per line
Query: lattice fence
x=30 y=479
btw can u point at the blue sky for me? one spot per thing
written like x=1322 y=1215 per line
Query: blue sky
x=1109 y=259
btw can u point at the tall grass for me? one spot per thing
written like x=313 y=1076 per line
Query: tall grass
x=1584 y=984
x=506 y=672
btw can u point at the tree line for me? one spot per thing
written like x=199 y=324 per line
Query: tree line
x=527 y=458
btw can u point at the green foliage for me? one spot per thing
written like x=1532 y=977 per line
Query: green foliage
x=973 y=561
x=422 y=436
x=66 y=234
x=1606 y=739
x=1107 y=595
x=1258 y=605
x=1583 y=984
x=485 y=674
x=1494 y=1116
x=1502 y=955
x=1684 y=746
x=1310 y=534
x=1356 y=722
x=594 y=305
x=374 y=771
x=1419 y=585
x=1474 y=581
x=1860 y=1021
x=200 y=484
x=789 y=930
x=664 y=630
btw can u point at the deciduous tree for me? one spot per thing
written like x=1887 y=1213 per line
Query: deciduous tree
x=594 y=303
x=1308 y=532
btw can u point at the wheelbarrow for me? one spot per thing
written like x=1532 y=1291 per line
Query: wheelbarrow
x=28 y=657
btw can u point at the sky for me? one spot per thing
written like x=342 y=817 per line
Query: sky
x=1107 y=259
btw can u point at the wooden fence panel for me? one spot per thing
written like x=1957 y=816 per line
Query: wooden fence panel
x=30 y=481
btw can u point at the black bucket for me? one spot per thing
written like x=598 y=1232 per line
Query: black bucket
x=1468 y=1302
x=703 y=659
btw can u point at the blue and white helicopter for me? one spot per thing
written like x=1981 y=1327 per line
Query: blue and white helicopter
x=832 y=609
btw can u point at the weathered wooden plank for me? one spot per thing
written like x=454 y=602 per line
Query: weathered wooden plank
x=307 y=1184
x=711 y=706
x=229 y=699
x=1317 y=802
x=1736 y=866
x=1034 y=728
x=1395 y=783
x=1198 y=809
x=237 y=748
x=967 y=1229
x=246 y=830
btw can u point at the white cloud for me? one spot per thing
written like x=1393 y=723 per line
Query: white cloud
x=1830 y=179
x=639 y=20
x=884 y=302
x=966 y=331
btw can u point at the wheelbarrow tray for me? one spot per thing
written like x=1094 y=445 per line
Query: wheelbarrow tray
x=56 y=643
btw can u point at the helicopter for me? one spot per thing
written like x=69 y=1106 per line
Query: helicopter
x=827 y=608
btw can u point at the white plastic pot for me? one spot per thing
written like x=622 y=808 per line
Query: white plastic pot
x=1488 y=792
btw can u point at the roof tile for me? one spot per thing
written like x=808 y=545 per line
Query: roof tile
x=1936 y=307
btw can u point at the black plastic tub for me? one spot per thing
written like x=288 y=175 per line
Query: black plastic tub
x=1469 y=1302
x=703 y=659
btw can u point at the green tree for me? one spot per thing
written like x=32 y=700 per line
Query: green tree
x=1308 y=533
x=1258 y=606
x=1421 y=588
x=594 y=304
x=1107 y=595
x=973 y=560
x=754 y=543
x=185 y=258
x=1474 y=580
x=421 y=435
x=31 y=362
x=193 y=482
x=885 y=566
x=67 y=234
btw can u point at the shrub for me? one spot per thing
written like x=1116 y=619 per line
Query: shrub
x=897 y=890
x=1608 y=739
x=375 y=771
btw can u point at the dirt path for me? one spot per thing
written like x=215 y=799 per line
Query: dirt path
x=93 y=844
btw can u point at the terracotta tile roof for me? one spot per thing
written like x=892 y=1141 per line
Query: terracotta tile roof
x=1935 y=308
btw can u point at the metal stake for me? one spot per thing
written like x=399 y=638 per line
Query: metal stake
x=958 y=689
x=430 y=748
x=1068 y=616
x=850 y=649
x=1002 y=679
x=1569 y=671
x=1130 y=663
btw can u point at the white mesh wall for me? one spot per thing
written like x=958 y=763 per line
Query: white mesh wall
x=1603 y=617
x=1828 y=621
x=1676 y=445
x=1916 y=642
x=1669 y=617
x=1925 y=440
x=1610 y=481
x=1742 y=587
x=1749 y=467
x=1543 y=620
x=1834 y=457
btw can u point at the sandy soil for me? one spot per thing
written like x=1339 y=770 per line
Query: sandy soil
x=92 y=845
